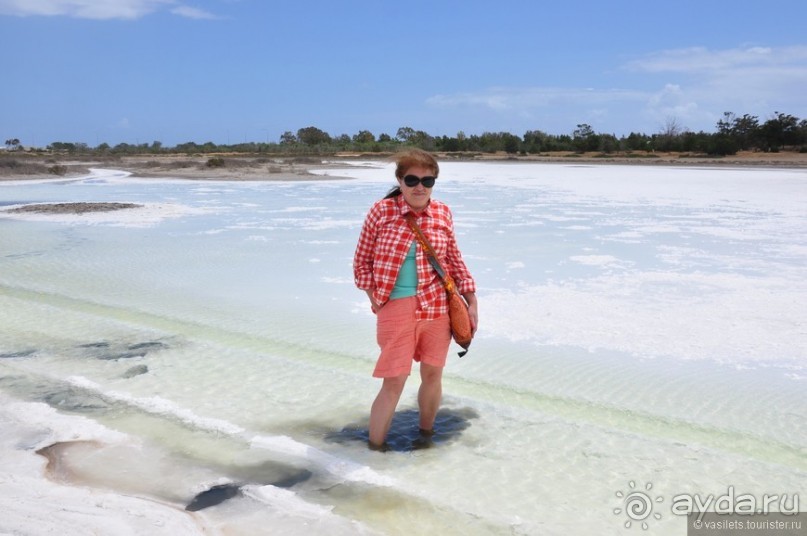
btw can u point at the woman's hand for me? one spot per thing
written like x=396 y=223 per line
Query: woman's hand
x=473 y=311
x=373 y=304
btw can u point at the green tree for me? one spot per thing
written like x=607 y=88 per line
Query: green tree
x=209 y=147
x=585 y=139
x=536 y=141
x=364 y=136
x=780 y=131
x=187 y=148
x=65 y=147
x=288 y=138
x=404 y=134
x=745 y=131
x=313 y=136
x=121 y=148
x=721 y=145
x=637 y=142
x=725 y=125
x=696 y=142
x=450 y=145
x=424 y=140
x=491 y=142
x=803 y=134
x=608 y=143
x=511 y=143
x=669 y=139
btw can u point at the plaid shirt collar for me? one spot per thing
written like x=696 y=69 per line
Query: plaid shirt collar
x=404 y=207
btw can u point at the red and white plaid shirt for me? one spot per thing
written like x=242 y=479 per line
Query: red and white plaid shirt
x=386 y=238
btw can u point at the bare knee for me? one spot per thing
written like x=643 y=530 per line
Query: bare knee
x=430 y=374
x=393 y=386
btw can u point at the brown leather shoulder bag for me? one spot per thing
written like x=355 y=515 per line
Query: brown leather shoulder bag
x=457 y=307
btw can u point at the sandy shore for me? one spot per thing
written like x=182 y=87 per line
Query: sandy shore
x=753 y=159
x=295 y=168
x=234 y=168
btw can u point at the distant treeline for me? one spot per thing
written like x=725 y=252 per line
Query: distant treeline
x=732 y=134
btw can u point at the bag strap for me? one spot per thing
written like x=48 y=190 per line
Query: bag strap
x=448 y=281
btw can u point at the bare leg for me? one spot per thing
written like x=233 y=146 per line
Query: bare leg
x=384 y=408
x=429 y=394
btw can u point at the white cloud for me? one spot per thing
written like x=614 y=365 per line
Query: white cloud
x=694 y=85
x=97 y=9
x=503 y=98
x=754 y=80
x=193 y=13
x=672 y=101
x=85 y=9
x=703 y=60
x=545 y=108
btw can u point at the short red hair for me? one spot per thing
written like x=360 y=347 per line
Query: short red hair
x=412 y=158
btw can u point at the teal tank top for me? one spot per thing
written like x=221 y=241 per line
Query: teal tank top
x=406 y=284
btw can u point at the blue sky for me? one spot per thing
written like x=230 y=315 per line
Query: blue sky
x=229 y=71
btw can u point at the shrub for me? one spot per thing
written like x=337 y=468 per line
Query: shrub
x=57 y=169
x=721 y=145
x=215 y=162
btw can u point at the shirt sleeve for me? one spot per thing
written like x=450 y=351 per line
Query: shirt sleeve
x=456 y=265
x=363 y=257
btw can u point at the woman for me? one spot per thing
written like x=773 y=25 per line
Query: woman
x=406 y=293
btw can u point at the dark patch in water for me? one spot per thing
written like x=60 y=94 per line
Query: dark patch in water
x=404 y=435
x=219 y=494
x=269 y=473
x=152 y=345
x=213 y=496
x=137 y=370
x=107 y=351
x=21 y=353
x=100 y=344
x=122 y=355
x=74 y=400
x=292 y=480
x=54 y=393
x=26 y=254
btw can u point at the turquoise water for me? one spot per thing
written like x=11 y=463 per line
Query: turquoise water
x=638 y=325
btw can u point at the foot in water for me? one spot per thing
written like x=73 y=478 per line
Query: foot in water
x=383 y=447
x=424 y=440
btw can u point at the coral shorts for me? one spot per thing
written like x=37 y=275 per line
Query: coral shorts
x=403 y=339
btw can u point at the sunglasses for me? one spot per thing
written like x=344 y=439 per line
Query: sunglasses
x=412 y=181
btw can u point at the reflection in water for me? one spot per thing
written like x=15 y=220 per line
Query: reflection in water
x=404 y=434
